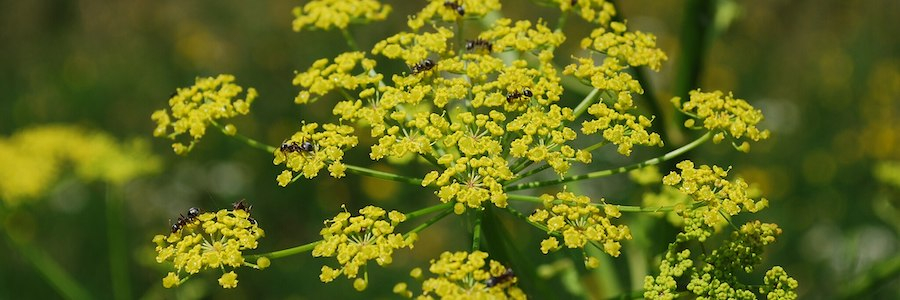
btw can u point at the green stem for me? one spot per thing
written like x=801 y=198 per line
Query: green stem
x=596 y=146
x=586 y=102
x=428 y=210
x=285 y=252
x=246 y=140
x=349 y=39
x=529 y=173
x=382 y=175
x=622 y=208
x=118 y=256
x=429 y=222
x=597 y=174
x=476 y=232
x=57 y=277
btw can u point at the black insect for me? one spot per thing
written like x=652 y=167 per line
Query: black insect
x=574 y=2
x=455 y=6
x=290 y=146
x=182 y=221
x=240 y=205
x=193 y=212
x=516 y=95
x=506 y=276
x=425 y=65
x=486 y=45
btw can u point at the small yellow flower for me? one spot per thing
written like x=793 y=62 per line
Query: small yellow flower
x=170 y=280
x=211 y=240
x=228 y=280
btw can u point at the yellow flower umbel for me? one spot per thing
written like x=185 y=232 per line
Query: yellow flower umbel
x=580 y=222
x=209 y=241
x=452 y=11
x=196 y=107
x=324 y=14
x=594 y=11
x=724 y=115
x=308 y=151
x=707 y=185
x=31 y=160
x=464 y=275
x=324 y=76
x=356 y=240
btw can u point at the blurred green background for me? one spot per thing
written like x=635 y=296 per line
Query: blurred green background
x=825 y=73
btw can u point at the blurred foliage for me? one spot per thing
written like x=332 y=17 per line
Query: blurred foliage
x=825 y=73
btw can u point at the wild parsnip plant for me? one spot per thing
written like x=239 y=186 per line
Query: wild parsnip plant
x=484 y=112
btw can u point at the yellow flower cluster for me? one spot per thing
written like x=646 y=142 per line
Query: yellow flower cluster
x=462 y=275
x=634 y=48
x=323 y=14
x=31 y=160
x=543 y=138
x=414 y=48
x=708 y=185
x=195 y=107
x=724 y=115
x=579 y=222
x=595 y=11
x=356 y=240
x=323 y=77
x=521 y=36
x=308 y=151
x=208 y=241
x=621 y=49
x=471 y=181
x=452 y=11
x=619 y=127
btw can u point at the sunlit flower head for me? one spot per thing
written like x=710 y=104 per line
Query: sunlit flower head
x=325 y=14
x=465 y=275
x=725 y=116
x=356 y=240
x=212 y=240
x=195 y=108
x=579 y=222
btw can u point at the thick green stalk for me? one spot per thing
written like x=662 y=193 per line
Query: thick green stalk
x=67 y=287
x=476 y=232
x=118 y=256
x=603 y=173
